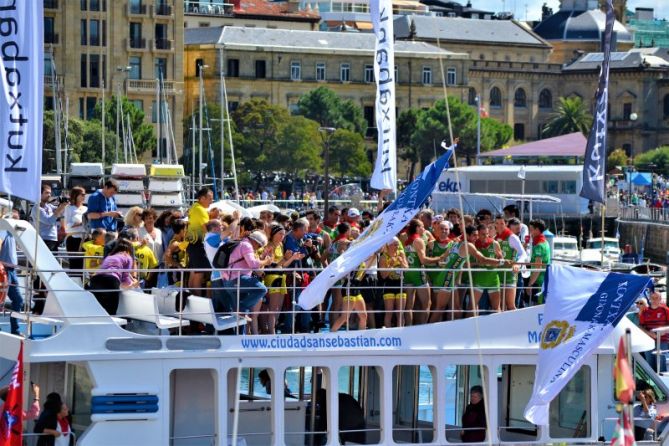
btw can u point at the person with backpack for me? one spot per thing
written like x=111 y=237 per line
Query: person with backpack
x=243 y=287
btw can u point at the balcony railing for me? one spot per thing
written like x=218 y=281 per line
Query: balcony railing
x=148 y=86
x=49 y=81
x=51 y=39
x=163 y=45
x=136 y=43
x=50 y=4
x=137 y=9
x=207 y=8
x=162 y=10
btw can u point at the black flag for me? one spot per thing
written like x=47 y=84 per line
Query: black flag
x=594 y=165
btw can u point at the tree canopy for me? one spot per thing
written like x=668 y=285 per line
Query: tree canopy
x=656 y=160
x=329 y=110
x=572 y=116
x=143 y=133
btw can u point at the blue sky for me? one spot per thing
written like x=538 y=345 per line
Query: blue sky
x=534 y=6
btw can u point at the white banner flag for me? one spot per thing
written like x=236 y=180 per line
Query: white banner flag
x=22 y=96
x=582 y=308
x=385 y=170
x=384 y=227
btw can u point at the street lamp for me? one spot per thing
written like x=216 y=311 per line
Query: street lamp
x=326 y=134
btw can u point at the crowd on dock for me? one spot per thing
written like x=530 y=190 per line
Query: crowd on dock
x=258 y=266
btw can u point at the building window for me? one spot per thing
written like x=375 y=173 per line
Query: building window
x=627 y=111
x=520 y=98
x=90 y=107
x=94 y=5
x=94 y=26
x=665 y=108
x=471 y=96
x=83 y=7
x=136 y=35
x=427 y=76
x=232 y=106
x=397 y=75
x=545 y=99
x=495 y=98
x=84 y=33
x=82 y=110
x=261 y=69
x=103 y=32
x=94 y=80
x=138 y=103
x=451 y=76
x=345 y=72
x=160 y=66
x=135 y=64
x=519 y=132
x=49 y=34
x=320 y=71
x=84 y=71
x=628 y=149
x=295 y=70
x=369 y=73
x=233 y=68
x=198 y=64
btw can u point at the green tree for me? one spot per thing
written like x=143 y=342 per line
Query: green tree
x=259 y=125
x=406 y=123
x=348 y=155
x=658 y=157
x=325 y=107
x=571 y=116
x=299 y=147
x=143 y=133
x=617 y=158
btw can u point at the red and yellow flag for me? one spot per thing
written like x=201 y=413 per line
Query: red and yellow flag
x=11 y=418
x=622 y=373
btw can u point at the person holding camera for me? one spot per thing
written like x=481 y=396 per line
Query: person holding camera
x=49 y=211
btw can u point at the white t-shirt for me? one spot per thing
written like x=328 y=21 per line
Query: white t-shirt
x=75 y=215
x=63 y=440
x=156 y=244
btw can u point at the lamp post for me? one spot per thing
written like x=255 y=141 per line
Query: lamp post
x=326 y=134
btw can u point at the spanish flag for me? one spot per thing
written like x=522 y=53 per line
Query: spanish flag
x=623 y=376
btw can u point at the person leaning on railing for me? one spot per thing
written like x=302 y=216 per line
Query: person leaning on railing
x=114 y=274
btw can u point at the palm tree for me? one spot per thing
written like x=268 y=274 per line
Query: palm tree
x=571 y=116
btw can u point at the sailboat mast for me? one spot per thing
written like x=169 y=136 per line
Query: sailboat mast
x=199 y=167
x=103 y=121
x=158 y=118
x=57 y=111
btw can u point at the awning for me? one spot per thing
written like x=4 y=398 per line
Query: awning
x=569 y=145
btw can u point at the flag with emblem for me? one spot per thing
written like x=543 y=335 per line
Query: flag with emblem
x=582 y=308
x=11 y=421
x=623 y=375
x=623 y=435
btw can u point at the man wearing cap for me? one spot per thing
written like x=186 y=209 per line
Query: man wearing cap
x=239 y=278
x=353 y=218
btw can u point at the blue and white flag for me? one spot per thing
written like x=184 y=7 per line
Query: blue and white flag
x=384 y=227
x=594 y=164
x=582 y=308
x=21 y=98
x=385 y=169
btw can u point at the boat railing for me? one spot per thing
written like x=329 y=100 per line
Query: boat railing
x=660 y=354
x=176 y=306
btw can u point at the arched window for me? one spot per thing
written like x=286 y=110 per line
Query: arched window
x=471 y=98
x=495 y=98
x=666 y=106
x=545 y=99
x=520 y=98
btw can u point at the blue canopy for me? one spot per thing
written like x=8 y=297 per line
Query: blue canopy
x=641 y=179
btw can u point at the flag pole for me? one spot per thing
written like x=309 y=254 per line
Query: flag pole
x=629 y=408
x=603 y=233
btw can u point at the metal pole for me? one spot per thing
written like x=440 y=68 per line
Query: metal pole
x=56 y=111
x=478 y=130
x=233 y=166
x=199 y=167
x=158 y=120
x=192 y=172
x=222 y=124
x=601 y=250
x=103 y=122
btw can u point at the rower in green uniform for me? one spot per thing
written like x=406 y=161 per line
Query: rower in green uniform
x=540 y=258
x=512 y=249
x=415 y=281
x=487 y=280
x=439 y=247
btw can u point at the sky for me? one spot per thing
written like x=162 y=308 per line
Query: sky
x=534 y=6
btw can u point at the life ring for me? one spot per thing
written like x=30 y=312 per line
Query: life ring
x=4 y=284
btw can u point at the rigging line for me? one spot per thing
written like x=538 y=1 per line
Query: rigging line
x=211 y=150
x=463 y=231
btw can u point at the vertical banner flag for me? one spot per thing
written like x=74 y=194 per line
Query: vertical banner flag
x=582 y=308
x=623 y=375
x=383 y=228
x=11 y=420
x=21 y=97
x=385 y=169
x=594 y=164
x=623 y=435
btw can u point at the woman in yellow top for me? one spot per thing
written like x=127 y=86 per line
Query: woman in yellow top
x=391 y=263
x=198 y=216
x=175 y=257
x=94 y=249
x=275 y=281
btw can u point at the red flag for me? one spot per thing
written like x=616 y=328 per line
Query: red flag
x=11 y=419
x=623 y=376
x=623 y=436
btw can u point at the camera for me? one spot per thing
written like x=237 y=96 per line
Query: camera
x=63 y=199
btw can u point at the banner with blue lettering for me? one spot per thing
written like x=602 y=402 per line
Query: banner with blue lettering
x=582 y=308
x=381 y=231
x=21 y=97
x=594 y=164
x=385 y=169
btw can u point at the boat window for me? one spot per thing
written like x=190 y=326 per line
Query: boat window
x=413 y=401
x=570 y=411
x=81 y=390
x=568 y=187
x=645 y=378
x=517 y=382
x=305 y=405
x=359 y=405
x=551 y=187
x=478 y=186
x=460 y=381
x=255 y=404
x=533 y=187
x=193 y=391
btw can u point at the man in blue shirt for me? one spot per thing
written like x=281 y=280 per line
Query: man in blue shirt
x=102 y=211
x=9 y=259
x=49 y=215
